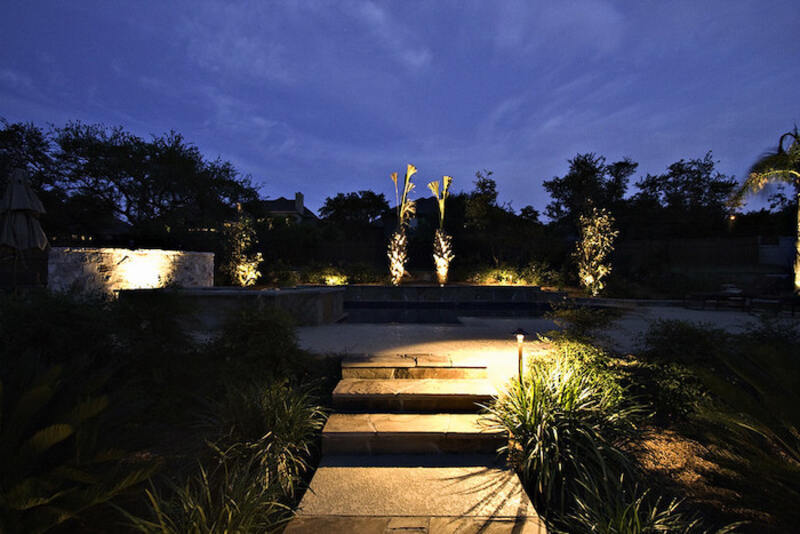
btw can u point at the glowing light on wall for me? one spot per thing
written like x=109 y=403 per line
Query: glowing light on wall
x=144 y=270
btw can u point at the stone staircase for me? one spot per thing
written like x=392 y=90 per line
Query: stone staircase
x=407 y=451
x=410 y=404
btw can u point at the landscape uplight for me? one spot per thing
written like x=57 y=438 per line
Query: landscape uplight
x=520 y=333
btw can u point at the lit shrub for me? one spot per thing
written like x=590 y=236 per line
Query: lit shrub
x=328 y=276
x=240 y=264
x=597 y=235
x=533 y=274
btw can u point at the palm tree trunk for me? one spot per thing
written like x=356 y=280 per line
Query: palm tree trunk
x=797 y=251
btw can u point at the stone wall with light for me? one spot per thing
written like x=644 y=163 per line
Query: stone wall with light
x=108 y=270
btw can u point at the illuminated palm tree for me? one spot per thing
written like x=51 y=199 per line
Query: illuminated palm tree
x=398 y=245
x=779 y=166
x=442 y=243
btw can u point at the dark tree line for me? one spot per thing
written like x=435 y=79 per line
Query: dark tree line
x=163 y=192
x=92 y=178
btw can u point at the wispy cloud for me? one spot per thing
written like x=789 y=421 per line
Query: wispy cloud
x=15 y=80
x=572 y=26
x=392 y=34
x=236 y=40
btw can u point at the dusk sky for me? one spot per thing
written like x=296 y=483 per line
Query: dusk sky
x=327 y=97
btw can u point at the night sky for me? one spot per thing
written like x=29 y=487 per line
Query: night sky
x=327 y=97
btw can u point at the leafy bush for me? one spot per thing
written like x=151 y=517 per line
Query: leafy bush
x=328 y=276
x=240 y=264
x=362 y=273
x=280 y=275
x=539 y=273
x=673 y=340
x=593 y=249
x=260 y=343
x=229 y=497
x=533 y=274
x=581 y=322
x=55 y=327
x=52 y=468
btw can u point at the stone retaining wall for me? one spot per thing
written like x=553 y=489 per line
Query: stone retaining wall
x=109 y=270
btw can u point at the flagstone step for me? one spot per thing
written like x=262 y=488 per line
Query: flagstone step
x=423 y=494
x=410 y=433
x=412 y=395
x=399 y=366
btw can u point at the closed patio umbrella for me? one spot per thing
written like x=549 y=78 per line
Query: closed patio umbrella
x=20 y=209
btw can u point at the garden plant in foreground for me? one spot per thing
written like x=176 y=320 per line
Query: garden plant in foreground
x=577 y=417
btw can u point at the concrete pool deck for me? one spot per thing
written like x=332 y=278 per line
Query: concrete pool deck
x=489 y=339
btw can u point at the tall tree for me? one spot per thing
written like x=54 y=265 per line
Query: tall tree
x=590 y=182
x=90 y=174
x=689 y=199
x=481 y=208
x=360 y=209
x=779 y=166
x=689 y=186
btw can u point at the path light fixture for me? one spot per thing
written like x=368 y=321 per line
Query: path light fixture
x=520 y=333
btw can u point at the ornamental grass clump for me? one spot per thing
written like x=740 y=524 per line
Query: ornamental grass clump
x=564 y=422
x=226 y=496
x=616 y=506
x=276 y=425
x=442 y=242
x=398 y=244
x=597 y=235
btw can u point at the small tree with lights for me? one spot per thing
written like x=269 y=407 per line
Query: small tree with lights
x=241 y=265
x=597 y=235
x=442 y=242
x=398 y=244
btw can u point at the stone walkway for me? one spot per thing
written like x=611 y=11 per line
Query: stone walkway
x=407 y=452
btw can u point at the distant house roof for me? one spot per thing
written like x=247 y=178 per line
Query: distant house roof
x=288 y=206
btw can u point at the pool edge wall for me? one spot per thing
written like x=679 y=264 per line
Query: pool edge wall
x=209 y=308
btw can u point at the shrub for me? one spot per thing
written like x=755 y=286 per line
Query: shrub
x=593 y=249
x=52 y=469
x=539 y=273
x=673 y=340
x=665 y=376
x=328 y=276
x=362 y=273
x=55 y=328
x=581 y=322
x=240 y=264
x=533 y=274
x=280 y=275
